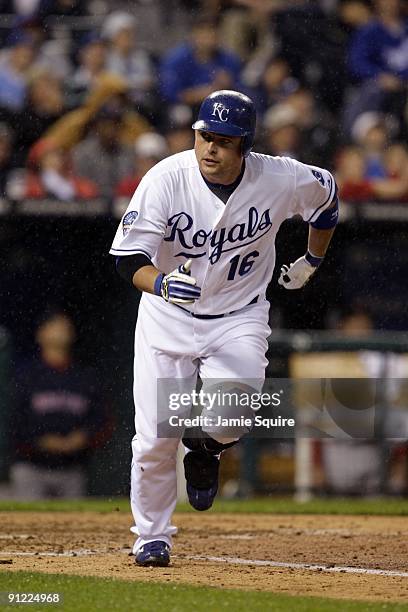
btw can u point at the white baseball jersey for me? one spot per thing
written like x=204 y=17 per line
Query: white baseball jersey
x=174 y=216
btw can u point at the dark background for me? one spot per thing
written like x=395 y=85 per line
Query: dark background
x=49 y=262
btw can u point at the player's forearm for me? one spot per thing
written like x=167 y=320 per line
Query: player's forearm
x=138 y=271
x=319 y=240
x=144 y=278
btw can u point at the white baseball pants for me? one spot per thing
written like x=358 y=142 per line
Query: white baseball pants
x=170 y=343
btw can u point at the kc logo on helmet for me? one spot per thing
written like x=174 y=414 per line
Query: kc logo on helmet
x=220 y=110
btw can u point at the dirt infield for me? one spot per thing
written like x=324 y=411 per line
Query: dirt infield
x=223 y=550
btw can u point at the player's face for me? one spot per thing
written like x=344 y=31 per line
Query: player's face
x=219 y=157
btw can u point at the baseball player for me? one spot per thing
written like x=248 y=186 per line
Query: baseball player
x=198 y=240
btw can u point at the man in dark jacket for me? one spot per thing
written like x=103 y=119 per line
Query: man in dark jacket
x=58 y=419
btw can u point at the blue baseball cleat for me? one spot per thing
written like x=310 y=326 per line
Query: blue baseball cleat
x=155 y=553
x=201 y=472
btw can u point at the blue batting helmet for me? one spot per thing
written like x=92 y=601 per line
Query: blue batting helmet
x=230 y=113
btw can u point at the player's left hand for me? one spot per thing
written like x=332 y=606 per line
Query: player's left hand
x=297 y=274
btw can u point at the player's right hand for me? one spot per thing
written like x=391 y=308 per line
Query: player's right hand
x=179 y=287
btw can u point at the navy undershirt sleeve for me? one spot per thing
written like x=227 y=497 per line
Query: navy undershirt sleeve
x=129 y=264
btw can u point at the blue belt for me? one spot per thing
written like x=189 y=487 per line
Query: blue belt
x=220 y=316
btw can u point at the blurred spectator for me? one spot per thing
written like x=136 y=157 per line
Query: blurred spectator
x=358 y=165
x=150 y=148
x=299 y=128
x=15 y=63
x=168 y=22
x=301 y=29
x=319 y=128
x=350 y=175
x=60 y=416
x=91 y=56
x=395 y=185
x=275 y=85
x=6 y=145
x=125 y=58
x=396 y=160
x=101 y=157
x=378 y=61
x=66 y=8
x=314 y=41
x=108 y=91
x=193 y=70
x=355 y=322
x=379 y=48
x=354 y=13
x=374 y=169
x=16 y=7
x=370 y=132
x=55 y=179
x=52 y=52
x=178 y=132
x=353 y=186
x=282 y=132
x=54 y=29
x=44 y=105
x=245 y=25
x=179 y=138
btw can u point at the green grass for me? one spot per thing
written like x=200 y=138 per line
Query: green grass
x=89 y=594
x=268 y=505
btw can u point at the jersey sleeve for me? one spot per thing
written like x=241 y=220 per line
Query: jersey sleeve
x=315 y=189
x=144 y=223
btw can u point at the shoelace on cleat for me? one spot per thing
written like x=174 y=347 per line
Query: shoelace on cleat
x=155 y=547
